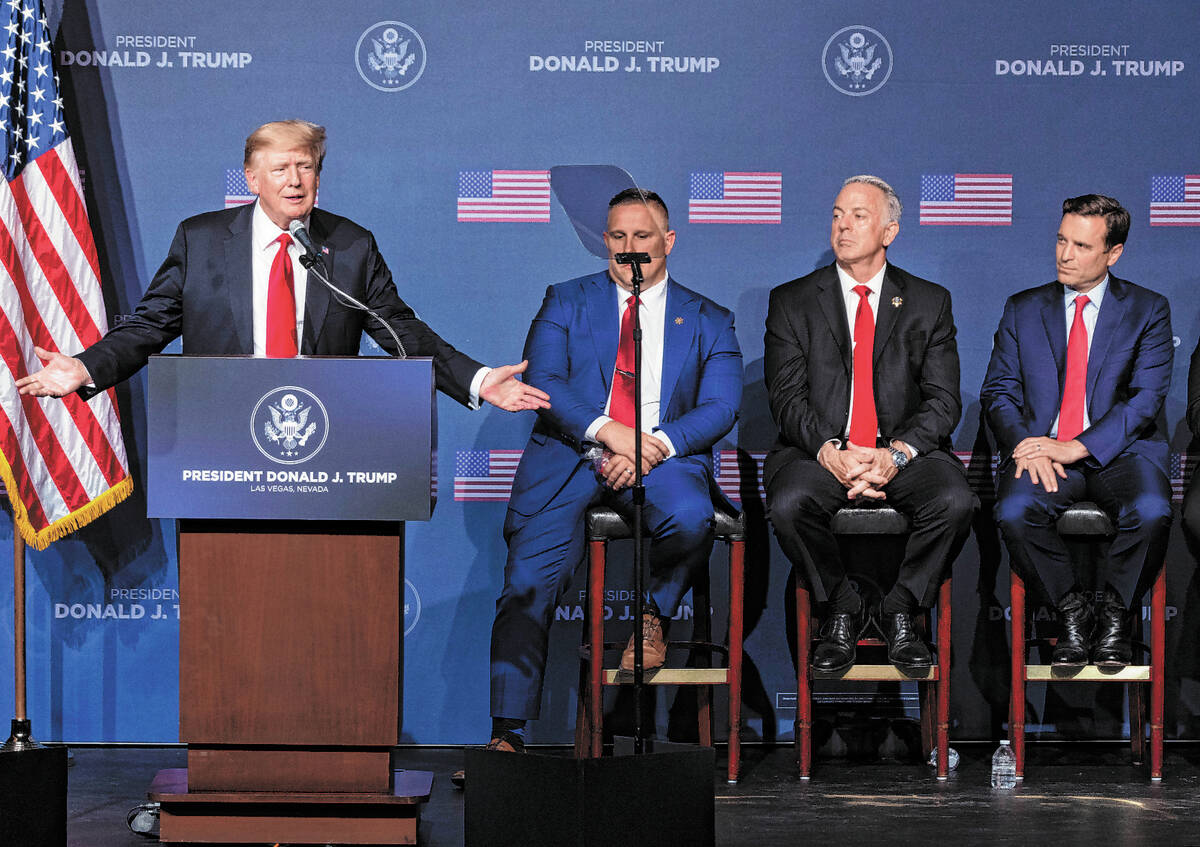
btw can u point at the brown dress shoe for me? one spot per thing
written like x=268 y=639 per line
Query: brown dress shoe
x=654 y=645
x=459 y=778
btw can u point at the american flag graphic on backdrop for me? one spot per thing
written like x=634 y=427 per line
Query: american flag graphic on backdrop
x=504 y=196
x=1175 y=200
x=966 y=199
x=237 y=193
x=1180 y=468
x=487 y=475
x=62 y=462
x=729 y=472
x=731 y=197
x=484 y=476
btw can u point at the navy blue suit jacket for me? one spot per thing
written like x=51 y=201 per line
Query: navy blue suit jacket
x=1128 y=374
x=572 y=348
x=203 y=291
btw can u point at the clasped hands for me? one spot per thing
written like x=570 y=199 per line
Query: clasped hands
x=619 y=440
x=864 y=471
x=1045 y=459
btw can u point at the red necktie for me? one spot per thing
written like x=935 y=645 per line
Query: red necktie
x=1070 y=417
x=620 y=408
x=281 y=304
x=863 y=423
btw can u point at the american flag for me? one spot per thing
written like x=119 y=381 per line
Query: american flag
x=1175 y=200
x=1180 y=467
x=728 y=197
x=237 y=193
x=730 y=473
x=62 y=461
x=981 y=472
x=504 y=196
x=966 y=199
x=484 y=475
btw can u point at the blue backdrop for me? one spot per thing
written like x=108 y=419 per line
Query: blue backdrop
x=420 y=97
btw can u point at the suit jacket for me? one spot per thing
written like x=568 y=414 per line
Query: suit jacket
x=808 y=364
x=572 y=348
x=203 y=291
x=1128 y=374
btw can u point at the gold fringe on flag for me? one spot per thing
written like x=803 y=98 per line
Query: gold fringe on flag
x=41 y=539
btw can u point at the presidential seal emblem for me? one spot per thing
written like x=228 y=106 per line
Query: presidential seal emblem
x=857 y=60
x=412 y=607
x=289 y=425
x=390 y=56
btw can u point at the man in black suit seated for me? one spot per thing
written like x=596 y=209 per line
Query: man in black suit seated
x=862 y=376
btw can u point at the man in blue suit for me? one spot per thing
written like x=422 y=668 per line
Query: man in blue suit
x=581 y=450
x=1076 y=382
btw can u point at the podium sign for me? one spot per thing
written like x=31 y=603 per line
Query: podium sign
x=324 y=438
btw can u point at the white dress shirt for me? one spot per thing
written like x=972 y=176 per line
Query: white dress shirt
x=652 y=315
x=263 y=247
x=1090 y=313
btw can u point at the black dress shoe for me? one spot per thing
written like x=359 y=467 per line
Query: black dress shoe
x=1112 y=646
x=839 y=637
x=906 y=649
x=1075 y=620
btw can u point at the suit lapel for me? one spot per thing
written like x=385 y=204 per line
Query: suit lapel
x=680 y=323
x=239 y=280
x=1054 y=320
x=1111 y=313
x=605 y=329
x=887 y=312
x=833 y=307
x=316 y=295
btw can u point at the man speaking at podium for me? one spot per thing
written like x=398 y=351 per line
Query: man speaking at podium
x=233 y=284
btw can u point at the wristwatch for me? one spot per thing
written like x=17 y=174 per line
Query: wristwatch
x=899 y=458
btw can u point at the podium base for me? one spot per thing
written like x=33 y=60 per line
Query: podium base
x=238 y=817
x=33 y=797
x=656 y=798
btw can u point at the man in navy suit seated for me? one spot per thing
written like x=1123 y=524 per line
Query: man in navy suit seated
x=581 y=450
x=1073 y=392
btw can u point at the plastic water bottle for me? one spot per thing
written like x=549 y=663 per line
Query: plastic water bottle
x=1004 y=767
x=951 y=757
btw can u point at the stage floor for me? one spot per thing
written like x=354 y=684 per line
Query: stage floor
x=1073 y=794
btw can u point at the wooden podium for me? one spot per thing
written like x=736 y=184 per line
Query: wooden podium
x=291 y=617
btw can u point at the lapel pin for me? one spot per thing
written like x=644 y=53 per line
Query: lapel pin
x=679 y=322
x=897 y=302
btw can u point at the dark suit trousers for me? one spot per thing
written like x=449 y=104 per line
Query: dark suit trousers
x=1134 y=492
x=1191 y=514
x=544 y=550
x=802 y=498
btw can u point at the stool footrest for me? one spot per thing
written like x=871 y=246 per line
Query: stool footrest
x=879 y=673
x=670 y=676
x=1088 y=673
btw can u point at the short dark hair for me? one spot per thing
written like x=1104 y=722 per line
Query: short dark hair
x=640 y=195
x=1116 y=216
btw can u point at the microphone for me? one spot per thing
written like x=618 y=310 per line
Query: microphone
x=296 y=228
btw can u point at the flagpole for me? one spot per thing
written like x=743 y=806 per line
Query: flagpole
x=21 y=737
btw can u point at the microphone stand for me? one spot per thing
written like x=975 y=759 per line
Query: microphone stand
x=635 y=261
x=313 y=264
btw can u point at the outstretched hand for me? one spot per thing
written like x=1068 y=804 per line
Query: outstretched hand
x=61 y=376
x=503 y=390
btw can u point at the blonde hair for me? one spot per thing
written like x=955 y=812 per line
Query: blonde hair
x=287 y=134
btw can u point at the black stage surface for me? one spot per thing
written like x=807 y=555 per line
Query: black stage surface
x=1072 y=794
